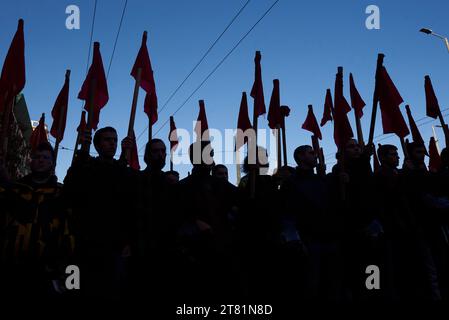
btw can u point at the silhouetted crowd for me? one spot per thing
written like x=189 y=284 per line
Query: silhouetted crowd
x=294 y=234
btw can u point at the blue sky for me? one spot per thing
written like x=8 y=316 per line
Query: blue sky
x=302 y=44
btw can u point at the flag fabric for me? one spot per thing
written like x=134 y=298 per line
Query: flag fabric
x=311 y=124
x=100 y=92
x=172 y=135
x=435 y=162
x=147 y=82
x=134 y=157
x=143 y=62
x=12 y=79
x=432 y=106
x=328 y=108
x=274 y=112
x=416 y=135
x=342 y=128
x=243 y=122
x=150 y=107
x=82 y=126
x=201 y=125
x=357 y=102
x=59 y=111
x=257 y=89
x=390 y=99
x=39 y=134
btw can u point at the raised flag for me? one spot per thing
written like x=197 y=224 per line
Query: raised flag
x=39 y=134
x=95 y=84
x=257 y=89
x=150 y=107
x=342 y=128
x=243 y=122
x=389 y=100
x=172 y=135
x=274 y=110
x=432 y=106
x=357 y=102
x=12 y=79
x=59 y=111
x=416 y=135
x=328 y=108
x=201 y=125
x=435 y=162
x=311 y=124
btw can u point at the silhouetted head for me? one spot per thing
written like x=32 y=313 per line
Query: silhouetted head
x=388 y=156
x=305 y=157
x=155 y=154
x=416 y=152
x=220 y=171
x=201 y=154
x=105 y=142
x=172 y=177
x=43 y=159
x=262 y=161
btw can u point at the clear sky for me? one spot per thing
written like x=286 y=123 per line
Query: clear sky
x=302 y=44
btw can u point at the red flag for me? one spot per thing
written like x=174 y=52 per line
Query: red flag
x=12 y=79
x=342 y=128
x=432 y=106
x=134 y=157
x=82 y=126
x=59 y=111
x=257 y=89
x=390 y=99
x=328 y=108
x=147 y=82
x=39 y=134
x=201 y=124
x=357 y=102
x=274 y=110
x=172 y=136
x=434 y=157
x=101 y=95
x=416 y=135
x=243 y=122
x=150 y=107
x=310 y=124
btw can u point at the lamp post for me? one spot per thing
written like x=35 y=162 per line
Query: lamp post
x=430 y=32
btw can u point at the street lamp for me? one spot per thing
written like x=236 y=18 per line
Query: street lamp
x=428 y=31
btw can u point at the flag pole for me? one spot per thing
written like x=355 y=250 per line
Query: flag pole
x=284 y=136
x=61 y=118
x=359 y=130
x=77 y=142
x=237 y=165
x=278 y=145
x=404 y=148
x=150 y=128
x=253 y=171
x=341 y=149
x=318 y=151
x=132 y=116
x=93 y=84
x=380 y=61
x=9 y=105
